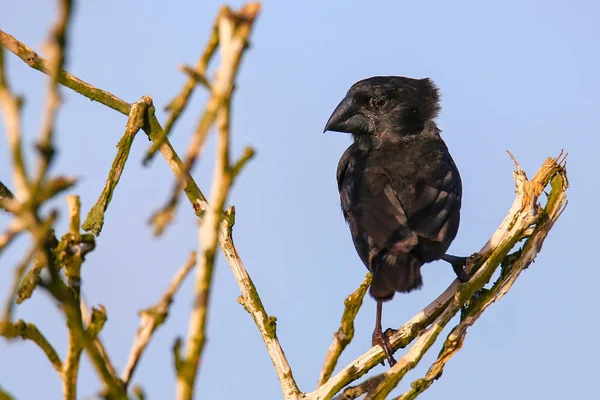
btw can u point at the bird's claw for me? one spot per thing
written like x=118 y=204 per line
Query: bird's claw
x=381 y=339
x=458 y=266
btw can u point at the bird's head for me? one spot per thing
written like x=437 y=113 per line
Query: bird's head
x=386 y=106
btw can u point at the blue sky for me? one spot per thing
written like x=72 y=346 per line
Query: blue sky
x=516 y=75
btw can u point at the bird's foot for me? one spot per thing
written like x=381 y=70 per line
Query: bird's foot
x=389 y=332
x=458 y=265
x=381 y=339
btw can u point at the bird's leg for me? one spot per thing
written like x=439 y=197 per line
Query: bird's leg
x=379 y=338
x=458 y=265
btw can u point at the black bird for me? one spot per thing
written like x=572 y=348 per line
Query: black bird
x=400 y=190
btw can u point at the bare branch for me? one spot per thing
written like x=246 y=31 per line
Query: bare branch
x=13 y=230
x=87 y=321
x=239 y=26
x=152 y=318
x=56 y=50
x=95 y=218
x=72 y=271
x=252 y=303
x=345 y=334
x=196 y=75
x=11 y=109
x=28 y=331
x=512 y=266
x=520 y=217
x=31 y=58
x=231 y=49
x=40 y=241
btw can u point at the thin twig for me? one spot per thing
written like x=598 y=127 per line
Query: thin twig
x=178 y=104
x=209 y=229
x=345 y=334
x=36 y=62
x=72 y=271
x=40 y=240
x=87 y=321
x=13 y=230
x=56 y=49
x=28 y=331
x=11 y=108
x=135 y=122
x=239 y=28
x=152 y=318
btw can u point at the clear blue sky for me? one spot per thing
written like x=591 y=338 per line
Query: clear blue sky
x=517 y=75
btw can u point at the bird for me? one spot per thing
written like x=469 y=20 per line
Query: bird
x=400 y=190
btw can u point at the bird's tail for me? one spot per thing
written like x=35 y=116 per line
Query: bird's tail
x=395 y=273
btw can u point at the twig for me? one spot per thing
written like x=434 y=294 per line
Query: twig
x=13 y=230
x=345 y=334
x=31 y=58
x=239 y=26
x=353 y=392
x=95 y=218
x=208 y=237
x=87 y=321
x=71 y=308
x=522 y=214
x=28 y=331
x=11 y=108
x=178 y=104
x=55 y=47
x=153 y=129
x=40 y=240
x=252 y=303
x=152 y=318
x=72 y=271
x=209 y=229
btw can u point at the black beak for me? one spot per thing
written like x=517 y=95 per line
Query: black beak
x=347 y=118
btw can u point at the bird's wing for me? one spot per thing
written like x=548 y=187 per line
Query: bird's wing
x=370 y=203
x=433 y=204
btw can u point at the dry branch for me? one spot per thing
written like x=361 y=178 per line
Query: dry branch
x=196 y=75
x=231 y=49
x=135 y=122
x=515 y=227
x=153 y=129
x=525 y=221
x=236 y=28
x=345 y=334
x=152 y=318
x=28 y=331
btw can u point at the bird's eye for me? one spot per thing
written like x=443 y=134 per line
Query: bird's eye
x=380 y=102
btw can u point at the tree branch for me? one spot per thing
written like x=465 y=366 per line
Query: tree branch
x=196 y=75
x=345 y=334
x=231 y=48
x=239 y=26
x=152 y=318
x=11 y=108
x=135 y=122
x=28 y=331
x=516 y=225
x=73 y=273
x=56 y=49
x=31 y=58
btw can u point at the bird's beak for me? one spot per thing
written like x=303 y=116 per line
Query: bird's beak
x=347 y=118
